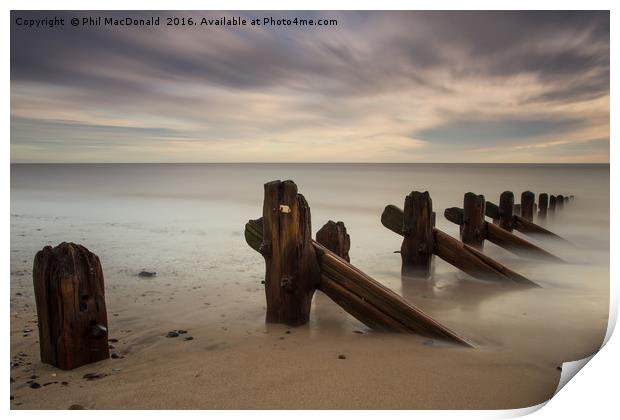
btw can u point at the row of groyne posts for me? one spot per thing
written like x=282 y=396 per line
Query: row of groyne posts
x=69 y=283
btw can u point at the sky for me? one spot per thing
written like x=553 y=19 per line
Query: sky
x=377 y=87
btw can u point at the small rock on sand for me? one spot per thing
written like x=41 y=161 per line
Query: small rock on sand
x=35 y=385
x=115 y=355
x=342 y=356
x=76 y=407
x=94 y=376
x=144 y=273
x=188 y=338
x=172 y=334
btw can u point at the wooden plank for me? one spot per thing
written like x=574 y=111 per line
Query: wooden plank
x=505 y=239
x=529 y=228
x=71 y=310
x=474 y=262
x=524 y=226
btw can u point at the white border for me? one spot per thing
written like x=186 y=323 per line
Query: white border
x=593 y=394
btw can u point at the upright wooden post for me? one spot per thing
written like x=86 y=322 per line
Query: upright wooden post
x=552 y=201
x=506 y=203
x=292 y=270
x=543 y=203
x=559 y=201
x=71 y=311
x=527 y=205
x=417 y=248
x=472 y=229
x=334 y=236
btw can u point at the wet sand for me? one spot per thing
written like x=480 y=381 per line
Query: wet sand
x=236 y=361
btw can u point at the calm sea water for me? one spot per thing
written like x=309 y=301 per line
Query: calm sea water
x=186 y=222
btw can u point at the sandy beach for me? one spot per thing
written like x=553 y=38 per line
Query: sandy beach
x=208 y=284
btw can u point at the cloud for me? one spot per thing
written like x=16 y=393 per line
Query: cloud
x=468 y=130
x=468 y=78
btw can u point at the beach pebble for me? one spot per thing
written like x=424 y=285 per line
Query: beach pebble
x=188 y=338
x=342 y=356
x=115 y=355
x=172 y=334
x=94 y=376
x=65 y=383
x=35 y=385
x=182 y=331
x=76 y=407
x=147 y=273
x=113 y=340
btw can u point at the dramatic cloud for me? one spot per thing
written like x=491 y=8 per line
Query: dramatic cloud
x=379 y=86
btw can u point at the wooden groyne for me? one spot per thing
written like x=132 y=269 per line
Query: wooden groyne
x=357 y=293
x=495 y=234
x=460 y=255
x=516 y=222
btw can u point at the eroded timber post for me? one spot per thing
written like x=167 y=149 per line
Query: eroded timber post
x=71 y=310
x=472 y=229
x=506 y=203
x=527 y=205
x=292 y=270
x=418 y=244
x=334 y=236
x=543 y=204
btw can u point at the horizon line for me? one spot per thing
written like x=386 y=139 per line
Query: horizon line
x=310 y=163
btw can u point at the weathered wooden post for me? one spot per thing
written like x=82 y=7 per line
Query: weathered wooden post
x=506 y=203
x=472 y=229
x=71 y=311
x=552 y=204
x=292 y=271
x=334 y=236
x=543 y=202
x=559 y=201
x=417 y=248
x=527 y=205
